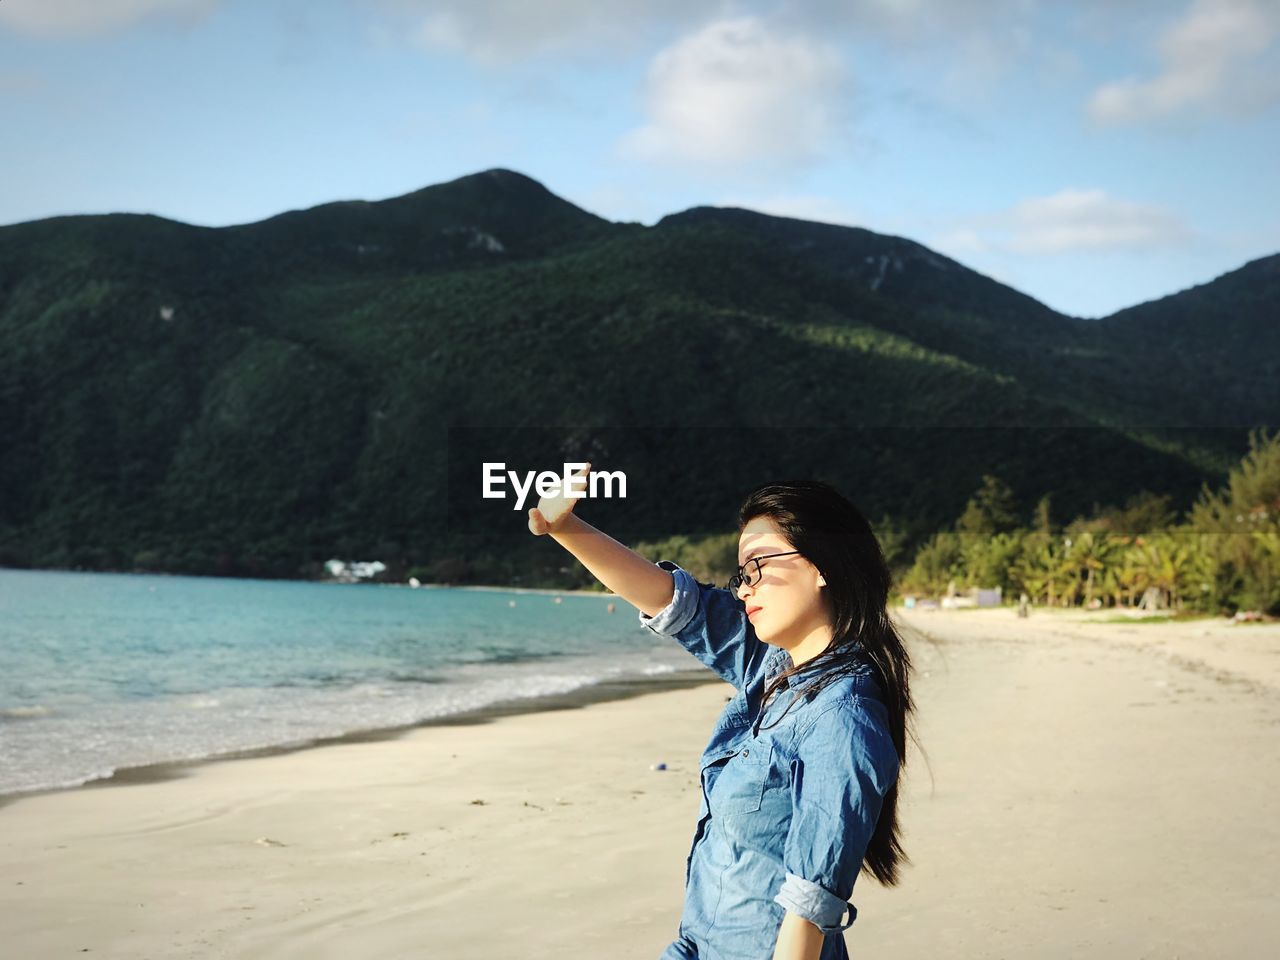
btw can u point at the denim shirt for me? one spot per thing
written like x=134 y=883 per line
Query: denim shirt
x=786 y=812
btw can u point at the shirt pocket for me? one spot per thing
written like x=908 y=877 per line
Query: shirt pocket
x=740 y=787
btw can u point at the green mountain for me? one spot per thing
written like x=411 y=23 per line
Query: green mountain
x=256 y=399
x=1218 y=341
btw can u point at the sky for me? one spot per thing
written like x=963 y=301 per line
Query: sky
x=1094 y=154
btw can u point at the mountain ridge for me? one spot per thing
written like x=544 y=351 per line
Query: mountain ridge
x=257 y=397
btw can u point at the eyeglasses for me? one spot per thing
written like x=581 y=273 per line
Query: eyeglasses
x=749 y=575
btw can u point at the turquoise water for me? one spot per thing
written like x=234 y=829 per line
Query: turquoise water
x=104 y=671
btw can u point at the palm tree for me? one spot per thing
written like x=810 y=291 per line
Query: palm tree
x=1130 y=572
x=1091 y=553
x=1169 y=567
x=1205 y=570
x=1266 y=569
x=1042 y=569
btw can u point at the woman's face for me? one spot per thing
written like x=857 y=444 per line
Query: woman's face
x=787 y=606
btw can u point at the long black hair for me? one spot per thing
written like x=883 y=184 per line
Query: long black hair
x=830 y=532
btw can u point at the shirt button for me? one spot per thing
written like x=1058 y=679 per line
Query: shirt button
x=746 y=753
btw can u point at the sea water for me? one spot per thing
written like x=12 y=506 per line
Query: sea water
x=100 y=672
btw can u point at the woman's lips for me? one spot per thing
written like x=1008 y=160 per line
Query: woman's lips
x=753 y=610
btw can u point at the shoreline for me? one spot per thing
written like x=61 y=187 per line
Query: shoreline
x=603 y=691
x=1117 y=614
x=1112 y=785
x=542 y=591
x=576 y=591
x=917 y=620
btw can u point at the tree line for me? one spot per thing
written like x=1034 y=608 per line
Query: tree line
x=1222 y=555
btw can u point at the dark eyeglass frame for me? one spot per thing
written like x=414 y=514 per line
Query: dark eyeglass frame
x=739 y=578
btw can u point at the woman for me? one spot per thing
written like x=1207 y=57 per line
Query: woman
x=800 y=778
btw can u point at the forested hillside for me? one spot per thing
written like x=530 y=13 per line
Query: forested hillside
x=255 y=399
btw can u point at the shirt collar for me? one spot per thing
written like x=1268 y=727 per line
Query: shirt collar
x=777 y=662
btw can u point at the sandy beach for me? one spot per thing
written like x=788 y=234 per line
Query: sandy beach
x=1087 y=788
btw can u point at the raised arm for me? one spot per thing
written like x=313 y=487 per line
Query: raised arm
x=707 y=621
x=643 y=584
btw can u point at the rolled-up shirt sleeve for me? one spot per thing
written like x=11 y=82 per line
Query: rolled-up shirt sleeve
x=845 y=764
x=711 y=623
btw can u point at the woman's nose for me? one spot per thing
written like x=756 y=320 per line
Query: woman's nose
x=744 y=591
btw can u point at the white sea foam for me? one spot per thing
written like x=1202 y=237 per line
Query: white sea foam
x=25 y=713
x=70 y=749
x=110 y=672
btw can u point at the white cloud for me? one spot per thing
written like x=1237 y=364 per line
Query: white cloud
x=1068 y=221
x=1204 y=57
x=1090 y=220
x=912 y=20
x=737 y=94
x=962 y=52
x=53 y=17
x=960 y=243
x=500 y=31
x=970 y=45
x=966 y=49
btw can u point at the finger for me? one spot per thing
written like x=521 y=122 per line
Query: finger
x=537 y=522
